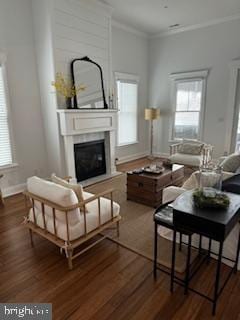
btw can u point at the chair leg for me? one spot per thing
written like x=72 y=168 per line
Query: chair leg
x=155 y=251
x=118 y=229
x=69 y=257
x=31 y=238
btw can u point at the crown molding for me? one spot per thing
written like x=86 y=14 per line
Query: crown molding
x=196 y=26
x=127 y=28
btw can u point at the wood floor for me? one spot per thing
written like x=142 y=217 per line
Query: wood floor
x=108 y=282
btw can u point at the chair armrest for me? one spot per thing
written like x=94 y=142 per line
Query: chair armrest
x=174 y=147
x=171 y=193
x=65 y=209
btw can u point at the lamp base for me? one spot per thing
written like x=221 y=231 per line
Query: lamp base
x=151 y=157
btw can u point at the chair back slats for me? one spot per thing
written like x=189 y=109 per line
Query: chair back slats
x=85 y=219
x=34 y=213
x=43 y=216
x=54 y=221
x=67 y=225
x=111 y=194
x=99 y=212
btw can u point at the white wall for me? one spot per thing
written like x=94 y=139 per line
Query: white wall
x=130 y=55
x=65 y=30
x=212 y=47
x=16 y=40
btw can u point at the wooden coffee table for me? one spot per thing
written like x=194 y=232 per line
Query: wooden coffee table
x=147 y=188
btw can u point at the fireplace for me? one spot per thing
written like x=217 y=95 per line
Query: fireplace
x=90 y=160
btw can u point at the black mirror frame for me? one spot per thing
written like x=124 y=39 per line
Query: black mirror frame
x=87 y=59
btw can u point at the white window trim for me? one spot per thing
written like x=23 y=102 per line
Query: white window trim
x=186 y=76
x=134 y=78
x=14 y=164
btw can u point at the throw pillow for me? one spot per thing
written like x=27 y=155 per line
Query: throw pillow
x=231 y=163
x=190 y=148
x=77 y=188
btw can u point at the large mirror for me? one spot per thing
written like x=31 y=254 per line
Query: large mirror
x=87 y=75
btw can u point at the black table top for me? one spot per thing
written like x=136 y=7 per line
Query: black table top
x=213 y=223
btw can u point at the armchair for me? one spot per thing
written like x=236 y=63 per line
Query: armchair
x=54 y=213
x=191 y=153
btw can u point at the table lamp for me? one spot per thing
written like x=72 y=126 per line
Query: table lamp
x=151 y=114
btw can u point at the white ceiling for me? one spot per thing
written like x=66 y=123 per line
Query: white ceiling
x=151 y=16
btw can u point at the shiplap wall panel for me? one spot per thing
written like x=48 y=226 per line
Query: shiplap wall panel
x=84 y=26
x=78 y=31
x=78 y=9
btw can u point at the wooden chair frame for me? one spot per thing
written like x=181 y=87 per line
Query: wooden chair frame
x=68 y=246
x=207 y=152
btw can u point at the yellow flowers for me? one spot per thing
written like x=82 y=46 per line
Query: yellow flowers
x=65 y=88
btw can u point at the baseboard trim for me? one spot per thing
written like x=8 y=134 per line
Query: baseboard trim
x=132 y=157
x=161 y=154
x=10 y=191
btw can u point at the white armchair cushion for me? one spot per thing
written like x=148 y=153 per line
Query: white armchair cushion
x=186 y=159
x=57 y=194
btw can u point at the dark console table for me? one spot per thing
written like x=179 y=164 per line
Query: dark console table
x=213 y=224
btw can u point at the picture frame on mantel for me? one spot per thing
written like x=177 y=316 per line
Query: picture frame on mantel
x=88 y=73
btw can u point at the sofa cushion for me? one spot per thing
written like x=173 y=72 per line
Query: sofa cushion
x=231 y=163
x=190 y=148
x=232 y=184
x=187 y=159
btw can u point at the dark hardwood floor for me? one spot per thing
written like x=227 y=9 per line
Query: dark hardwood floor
x=107 y=282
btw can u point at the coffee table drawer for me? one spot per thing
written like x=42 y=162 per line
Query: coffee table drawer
x=141 y=185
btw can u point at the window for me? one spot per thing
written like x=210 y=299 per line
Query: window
x=188 y=105
x=127 y=101
x=6 y=157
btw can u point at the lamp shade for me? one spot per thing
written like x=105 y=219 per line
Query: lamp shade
x=152 y=114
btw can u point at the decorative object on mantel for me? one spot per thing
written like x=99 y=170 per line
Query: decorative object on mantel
x=151 y=114
x=89 y=70
x=210 y=198
x=67 y=89
x=1 y=196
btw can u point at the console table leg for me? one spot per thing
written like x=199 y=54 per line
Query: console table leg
x=155 y=251
x=209 y=250
x=219 y=262
x=173 y=260
x=200 y=244
x=188 y=264
x=180 y=241
x=237 y=255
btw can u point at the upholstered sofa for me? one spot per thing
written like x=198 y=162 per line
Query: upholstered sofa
x=56 y=214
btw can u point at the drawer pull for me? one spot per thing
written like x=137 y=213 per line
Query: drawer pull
x=140 y=184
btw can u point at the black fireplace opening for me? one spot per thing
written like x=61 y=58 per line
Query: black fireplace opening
x=90 y=159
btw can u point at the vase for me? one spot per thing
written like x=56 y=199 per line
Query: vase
x=69 y=102
x=210 y=177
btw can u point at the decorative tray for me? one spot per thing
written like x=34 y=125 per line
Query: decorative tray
x=153 y=169
x=209 y=198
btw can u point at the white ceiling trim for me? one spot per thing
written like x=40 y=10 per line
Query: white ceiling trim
x=196 y=26
x=127 y=28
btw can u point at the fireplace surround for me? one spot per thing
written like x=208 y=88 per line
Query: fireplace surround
x=82 y=126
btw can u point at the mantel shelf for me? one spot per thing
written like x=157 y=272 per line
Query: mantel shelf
x=86 y=110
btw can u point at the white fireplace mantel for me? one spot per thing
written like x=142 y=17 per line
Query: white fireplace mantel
x=83 y=125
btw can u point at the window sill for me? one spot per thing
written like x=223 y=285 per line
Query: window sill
x=127 y=144
x=8 y=167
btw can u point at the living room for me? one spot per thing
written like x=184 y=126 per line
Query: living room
x=135 y=104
